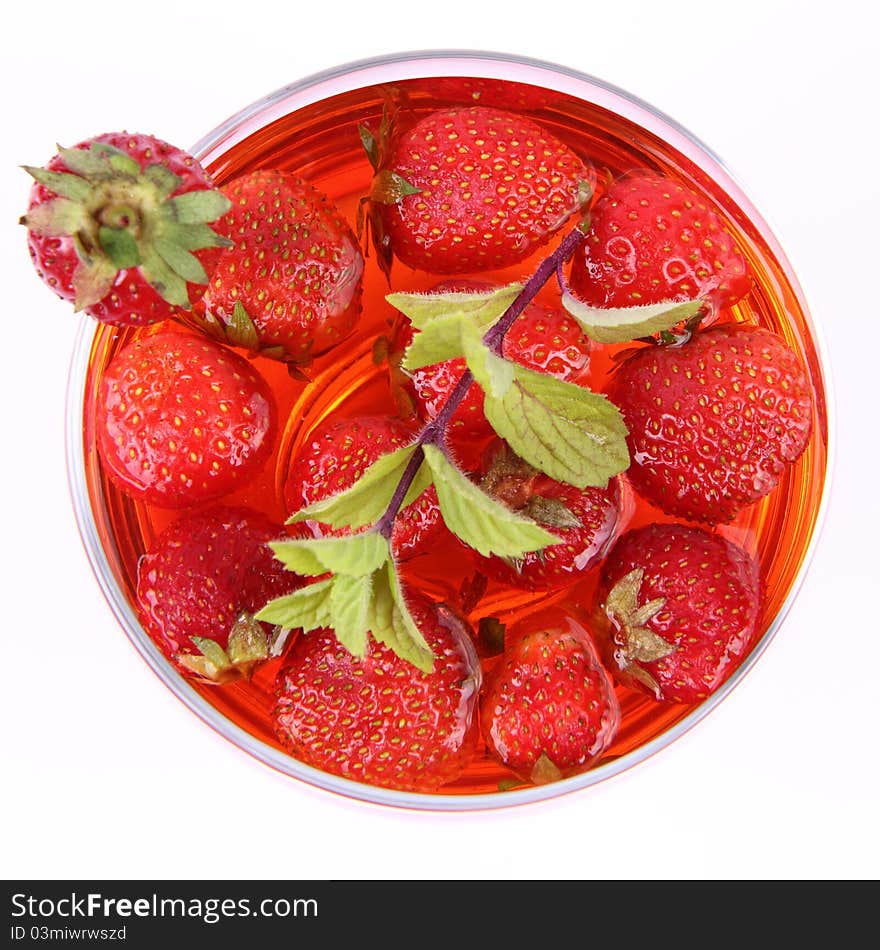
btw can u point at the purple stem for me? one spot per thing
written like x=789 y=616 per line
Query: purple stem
x=434 y=432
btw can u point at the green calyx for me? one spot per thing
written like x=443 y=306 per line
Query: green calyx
x=248 y=646
x=123 y=217
x=641 y=644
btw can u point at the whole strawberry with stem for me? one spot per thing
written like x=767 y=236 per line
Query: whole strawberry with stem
x=653 y=239
x=713 y=423
x=376 y=718
x=181 y=419
x=584 y=520
x=679 y=609
x=335 y=455
x=470 y=189
x=200 y=584
x=548 y=710
x=120 y=225
x=289 y=286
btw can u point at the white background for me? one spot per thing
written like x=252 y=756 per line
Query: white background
x=106 y=774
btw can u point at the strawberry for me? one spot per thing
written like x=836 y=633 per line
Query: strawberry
x=336 y=455
x=545 y=339
x=472 y=189
x=483 y=91
x=200 y=584
x=682 y=607
x=713 y=423
x=652 y=239
x=378 y=719
x=181 y=419
x=118 y=224
x=290 y=284
x=584 y=519
x=548 y=709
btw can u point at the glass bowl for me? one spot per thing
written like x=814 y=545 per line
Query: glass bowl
x=114 y=530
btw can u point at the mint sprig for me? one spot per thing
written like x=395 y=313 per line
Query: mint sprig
x=361 y=595
x=562 y=429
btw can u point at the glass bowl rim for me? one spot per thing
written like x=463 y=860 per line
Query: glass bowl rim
x=476 y=64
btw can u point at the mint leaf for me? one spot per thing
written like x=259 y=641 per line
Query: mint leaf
x=350 y=600
x=622 y=324
x=441 y=340
x=562 y=429
x=494 y=373
x=484 y=307
x=356 y=555
x=392 y=623
x=365 y=501
x=307 y=608
x=478 y=519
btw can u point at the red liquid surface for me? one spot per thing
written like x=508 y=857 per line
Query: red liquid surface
x=321 y=144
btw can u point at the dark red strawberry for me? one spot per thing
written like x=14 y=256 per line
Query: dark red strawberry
x=713 y=423
x=653 y=239
x=180 y=419
x=681 y=607
x=548 y=709
x=544 y=339
x=473 y=189
x=335 y=456
x=377 y=719
x=200 y=584
x=119 y=225
x=584 y=519
x=290 y=286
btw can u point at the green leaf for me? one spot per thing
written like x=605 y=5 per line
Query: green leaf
x=389 y=188
x=199 y=207
x=493 y=373
x=478 y=519
x=92 y=281
x=365 y=501
x=56 y=217
x=212 y=651
x=184 y=264
x=194 y=237
x=164 y=181
x=169 y=285
x=622 y=324
x=441 y=340
x=88 y=162
x=241 y=331
x=484 y=307
x=307 y=608
x=120 y=246
x=392 y=623
x=564 y=430
x=118 y=160
x=247 y=641
x=350 y=601
x=62 y=184
x=353 y=554
x=371 y=146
